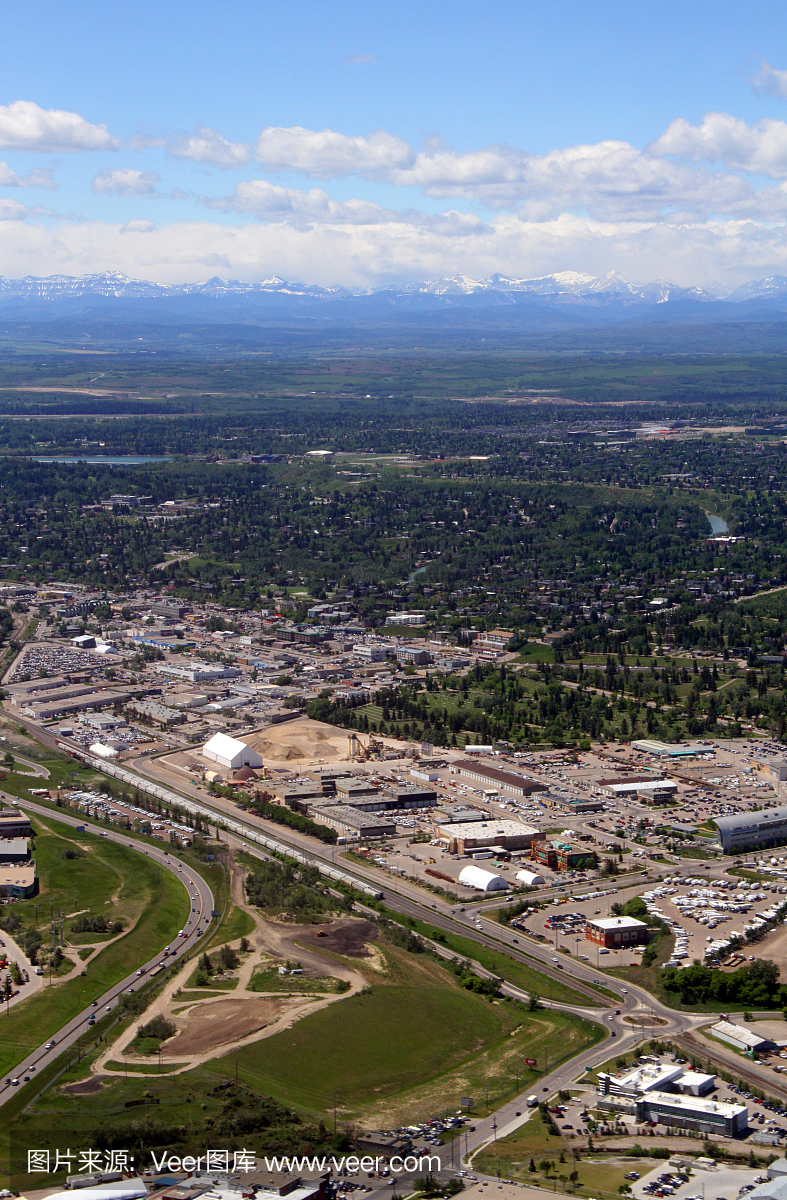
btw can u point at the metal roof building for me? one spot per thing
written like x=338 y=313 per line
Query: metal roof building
x=740 y=1037
x=753 y=830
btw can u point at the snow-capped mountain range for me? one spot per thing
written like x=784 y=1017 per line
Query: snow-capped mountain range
x=563 y=288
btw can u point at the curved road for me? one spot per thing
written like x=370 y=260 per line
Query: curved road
x=199 y=918
x=409 y=899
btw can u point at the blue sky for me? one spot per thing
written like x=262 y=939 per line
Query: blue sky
x=365 y=143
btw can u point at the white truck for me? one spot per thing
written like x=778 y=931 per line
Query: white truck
x=532 y=1102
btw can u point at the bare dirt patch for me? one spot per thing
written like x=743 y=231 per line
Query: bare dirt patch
x=340 y=937
x=212 y=1025
x=774 y=947
x=86 y=1087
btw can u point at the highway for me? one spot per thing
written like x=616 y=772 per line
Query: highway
x=199 y=918
x=409 y=899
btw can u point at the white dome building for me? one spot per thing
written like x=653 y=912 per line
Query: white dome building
x=530 y=878
x=482 y=881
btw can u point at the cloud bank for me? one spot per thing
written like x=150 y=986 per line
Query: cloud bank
x=702 y=201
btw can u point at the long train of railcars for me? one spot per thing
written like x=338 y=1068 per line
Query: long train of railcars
x=173 y=799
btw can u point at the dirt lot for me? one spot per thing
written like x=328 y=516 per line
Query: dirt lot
x=300 y=742
x=86 y=1087
x=774 y=947
x=341 y=937
x=213 y=1024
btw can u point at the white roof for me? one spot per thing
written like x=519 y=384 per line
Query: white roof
x=616 y=923
x=739 y=1032
x=643 y=786
x=102 y=751
x=529 y=877
x=224 y=745
x=696 y=1104
x=120 y=1189
x=474 y=829
x=484 y=881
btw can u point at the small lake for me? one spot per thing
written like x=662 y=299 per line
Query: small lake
x=120 y=460
x=717 y=524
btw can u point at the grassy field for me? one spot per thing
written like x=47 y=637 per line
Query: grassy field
x=419 y=1042
x=649 y=977
x=100 y=882
x=164 y=905
x=533 y=1141
x=522 y=976
x=268 y=979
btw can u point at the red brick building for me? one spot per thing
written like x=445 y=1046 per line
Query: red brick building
x=616 y=932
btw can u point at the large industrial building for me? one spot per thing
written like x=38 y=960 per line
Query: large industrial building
x=496 y=780
x=475 y=835
x=669 y=1095
x=344 y=818
x=693 y=1112
x=662 y=749
x=740 y=1037
x=652 y=791
x=14 y=850
x=18 y=882
x=616 y=932
x=753 y=831
x=230 y=753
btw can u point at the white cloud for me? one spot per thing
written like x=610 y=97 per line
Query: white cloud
x=365 y=255
x=37 y=178
x=325 y=154
x=126 y=181
x=608 y=179
x=769 y=82
x=269 y=202
x=25 y=126
x=358 y=59
x=207 y=146
x=760 y=149
x=138 y=225
x=12 y=210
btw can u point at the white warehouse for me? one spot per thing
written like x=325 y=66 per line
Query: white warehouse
x=229 y=752
x=530 y=878
x=482 y=881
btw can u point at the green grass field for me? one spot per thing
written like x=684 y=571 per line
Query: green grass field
x=512 y=1157
x=164 y=905
x=268 y=979
x=416 y=1040
x=522 y=976
x=99 y=883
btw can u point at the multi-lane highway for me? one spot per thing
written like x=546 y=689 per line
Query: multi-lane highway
x=629 y=1002
x=201 y=906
